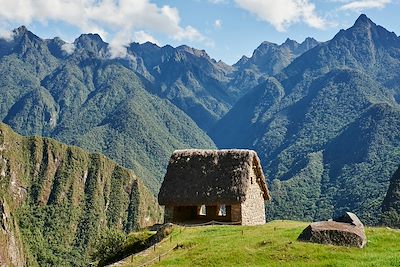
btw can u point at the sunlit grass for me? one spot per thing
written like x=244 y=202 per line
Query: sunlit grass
x=272 y=244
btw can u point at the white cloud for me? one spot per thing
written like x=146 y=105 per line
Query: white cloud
x=189 y=33
x=118 y=18
x=118 y=45
x=68 y=48
x=365 y=4
x=283 y=13
x=142 y=37
x=216 y=2
x=218 y=24
x=6 y=35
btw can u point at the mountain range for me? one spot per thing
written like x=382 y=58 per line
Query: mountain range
x=87 y=99
x=323 y=117
x=202 y=87
x=326 y=126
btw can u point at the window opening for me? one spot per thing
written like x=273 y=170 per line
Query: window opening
x=222 y=210
x=202 y=210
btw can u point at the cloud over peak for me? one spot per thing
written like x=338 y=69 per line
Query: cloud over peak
x=123 y=20
x=68 y=48
x=283 y=13
x=365 y=4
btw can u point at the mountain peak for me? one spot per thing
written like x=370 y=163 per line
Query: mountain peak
x=290 y=42
x=310 y=40
x=94 y=37
x=243 y=60
x=150 y=44
x=263 y=47
x=23 y=31
x=20 y=30
x=363 y=20
x=365 y=31
x=191 y=50
x=266 y=43
x=91 y=42
x=23 y=36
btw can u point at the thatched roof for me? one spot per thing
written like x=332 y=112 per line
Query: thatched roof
x=196 y=177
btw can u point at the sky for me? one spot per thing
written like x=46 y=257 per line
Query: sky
x=226 y=29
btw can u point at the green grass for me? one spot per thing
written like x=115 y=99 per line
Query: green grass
x=272 y=244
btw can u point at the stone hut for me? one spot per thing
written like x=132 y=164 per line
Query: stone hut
x=214 y=185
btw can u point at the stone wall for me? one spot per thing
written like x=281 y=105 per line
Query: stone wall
x=253 y=208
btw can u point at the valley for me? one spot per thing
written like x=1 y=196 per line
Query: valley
x=86 y=138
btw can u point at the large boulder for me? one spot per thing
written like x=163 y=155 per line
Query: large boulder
x=350 y=218
x=346 y=230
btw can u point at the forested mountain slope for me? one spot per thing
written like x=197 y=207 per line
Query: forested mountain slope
x=391 y=203
x=55 y=200
x=326 y=127
x=202 y=87
x=79 y=94
x=267 y=60
x=90 y=100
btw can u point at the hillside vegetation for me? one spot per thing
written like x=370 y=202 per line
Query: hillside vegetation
x=56 y=200
x=323 y=117
x=136 y=110
x=391 y=203
x=326 y=127
x=272 y=244
x=92 y=101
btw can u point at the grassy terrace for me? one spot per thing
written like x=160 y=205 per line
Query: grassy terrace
x=272 y=244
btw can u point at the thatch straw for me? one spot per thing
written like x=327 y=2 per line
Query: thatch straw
x=196 y=177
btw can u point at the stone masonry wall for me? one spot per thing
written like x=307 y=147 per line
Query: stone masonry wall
x=253 y=208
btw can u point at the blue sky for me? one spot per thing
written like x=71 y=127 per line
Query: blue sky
x=226 y=29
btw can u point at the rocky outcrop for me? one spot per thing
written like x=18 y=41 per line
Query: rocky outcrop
x=11 y=252
x=391 y=203
x=350 y=218
x=346 y=230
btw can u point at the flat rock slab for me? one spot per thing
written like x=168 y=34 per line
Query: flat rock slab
x=335 y=233
x=351 y=218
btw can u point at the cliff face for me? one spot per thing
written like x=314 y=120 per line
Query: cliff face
x=11 y=247
x=56 y=199
x=391 y=203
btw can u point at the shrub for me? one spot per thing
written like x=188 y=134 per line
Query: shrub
x=109 y=243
